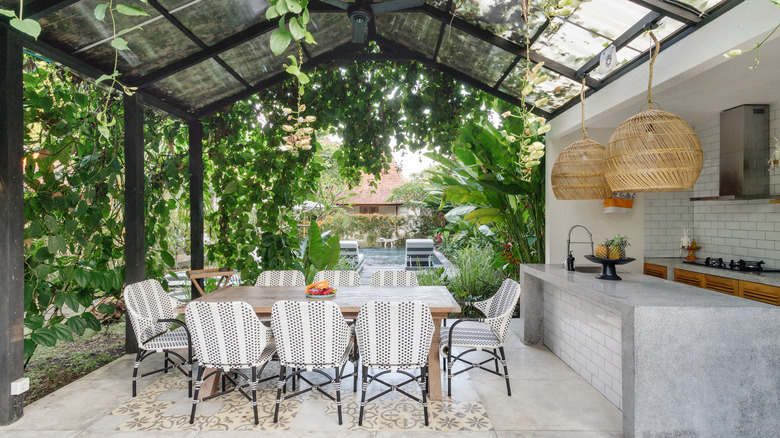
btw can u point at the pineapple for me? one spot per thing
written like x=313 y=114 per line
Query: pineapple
x=617 y=247
x=615 y=252
x=601 y=250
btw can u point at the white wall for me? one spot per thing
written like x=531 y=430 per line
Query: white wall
x=562 y=215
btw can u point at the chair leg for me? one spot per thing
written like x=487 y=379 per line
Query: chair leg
x=253 y=385
x=450 y=363
x=135 y=369
x=195 y=400
x=165 y=363
x=506 y=372
x=363 y=394
x=189 y=373
x=338 y=393
x=355 y=359
x=496 y=360
x=423 y=384
x=281 y=384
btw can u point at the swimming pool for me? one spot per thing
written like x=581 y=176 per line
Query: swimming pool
x=386 y=256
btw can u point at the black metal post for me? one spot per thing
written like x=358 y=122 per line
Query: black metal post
x=196 y=201
x=135 y=246
x=11 y=225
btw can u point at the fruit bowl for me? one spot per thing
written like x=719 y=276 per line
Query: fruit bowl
x=321 y=293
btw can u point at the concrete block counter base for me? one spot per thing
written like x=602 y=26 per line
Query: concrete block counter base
x=691 y=362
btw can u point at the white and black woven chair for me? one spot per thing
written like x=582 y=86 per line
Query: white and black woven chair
x=311 y=336
x=482 y=334
x=281 y=278
x=228 y=337
x=393 y=278
x=151 y=314
x=339 y=278
x=395 y=338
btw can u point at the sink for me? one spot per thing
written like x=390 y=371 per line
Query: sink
x=594 y=269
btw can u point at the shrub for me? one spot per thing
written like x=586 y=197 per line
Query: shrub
x=476 y=279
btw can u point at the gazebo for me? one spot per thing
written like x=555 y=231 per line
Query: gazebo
x=224 y=48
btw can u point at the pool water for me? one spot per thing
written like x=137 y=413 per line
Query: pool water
x=385 y=256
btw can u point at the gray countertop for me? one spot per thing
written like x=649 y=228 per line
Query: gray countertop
x=636 y=290
x=770 y=278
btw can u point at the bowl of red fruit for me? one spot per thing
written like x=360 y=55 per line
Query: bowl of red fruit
x=320 y=289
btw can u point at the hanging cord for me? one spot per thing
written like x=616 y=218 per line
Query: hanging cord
x=582 y=99
x=652 y=61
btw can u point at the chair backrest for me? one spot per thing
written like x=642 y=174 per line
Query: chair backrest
x=339 y=278
x=309 y=334
x=419 y=252
x=394 y=334
x=394 y=278
x=349 y=248
x=499 y=307
x=227 y=334
x=147 y=302
x=281 y=278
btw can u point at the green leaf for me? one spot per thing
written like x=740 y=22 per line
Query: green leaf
x=100 y=11
x=43 y=271
x=280 y=39
x=130 y=10
x=33 y=322
x=230 y=188
x=27 y=26
x=310 y=38
x=29 y=348
x=104 y=132
x=106 y=77
x=484 y=216
x=305 y=17
x=294 y=6
x=35 y=229
x=72 y=301
x=62 y=332
x=271 y=13
x=168 y=258
x=7 y=13
x=28 y=295
x=281 y=7
x=119 y=43
x=82 y=278
x=106 y=309
x=91 y=321
x=56 y=244
x=76 y=325
x=303 y=78
x=51 y=223
x=44 y=337
x=71 y=226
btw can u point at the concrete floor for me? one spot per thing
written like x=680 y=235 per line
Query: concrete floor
x=548 y=400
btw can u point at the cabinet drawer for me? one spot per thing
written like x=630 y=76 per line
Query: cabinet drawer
x=655 y=270
x=721 y=284
x=689 y=277
x=760 y=292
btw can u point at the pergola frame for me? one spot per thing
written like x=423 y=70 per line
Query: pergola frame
x=12 y=45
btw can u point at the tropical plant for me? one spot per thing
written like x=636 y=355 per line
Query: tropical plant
x=476 y=279
x=318 y=251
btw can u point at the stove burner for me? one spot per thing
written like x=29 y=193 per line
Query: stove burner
x=714 y=262
x=734 y=265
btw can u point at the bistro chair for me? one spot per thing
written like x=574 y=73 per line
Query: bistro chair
x=311 y=336
x=228 y=337
x=482 y=334
x=339 y=278
x=281 y=278
x=393 y=278
x=394 y=337
x=151 y=315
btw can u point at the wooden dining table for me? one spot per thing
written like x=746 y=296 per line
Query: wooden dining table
x=350 y=299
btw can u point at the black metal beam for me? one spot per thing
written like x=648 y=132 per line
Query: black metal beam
x=670 y=10
x=175 y=21
x=135 y=237
x=11 y=225
x=509 y=46
x=196 y=201
x=202 y=55
x=41 y=8
x=507 y=71
x=441 y=33
x=539 y=32
x=634 y=31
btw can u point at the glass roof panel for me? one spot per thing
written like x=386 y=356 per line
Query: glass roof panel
x=500 y=17
x=254 y=60
x=156 y=45
x=416 y=30
x=666 y=27
x=703 y=5
x=330 y=31
x=473 y=57
x=569 y=44
x=213 y=20
x=198 y=85
x=439 y=4
x=558 y=89
x=624 y=56
x=75 y=26
x=607 y=18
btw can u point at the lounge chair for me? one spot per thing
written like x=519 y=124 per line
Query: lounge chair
x=351 y=250
x=419 y=253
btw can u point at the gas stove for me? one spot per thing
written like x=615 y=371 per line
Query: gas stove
x=733 y=265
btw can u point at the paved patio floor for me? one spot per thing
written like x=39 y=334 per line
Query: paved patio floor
x=548 y=400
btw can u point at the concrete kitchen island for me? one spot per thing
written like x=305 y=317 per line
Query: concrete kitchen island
x=679 y=361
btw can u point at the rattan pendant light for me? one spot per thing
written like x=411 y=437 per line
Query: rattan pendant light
x=653 y=151
x=578 y=173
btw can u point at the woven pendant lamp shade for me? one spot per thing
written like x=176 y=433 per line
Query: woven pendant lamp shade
x=578 y=173
x=654 y=151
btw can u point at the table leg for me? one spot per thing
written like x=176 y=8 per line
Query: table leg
x=211 y=384
x=434 y=368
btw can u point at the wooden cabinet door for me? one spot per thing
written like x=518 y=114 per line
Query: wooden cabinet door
x=760 y=292
x=655 y=270
x=721 y=284
x=689 y=277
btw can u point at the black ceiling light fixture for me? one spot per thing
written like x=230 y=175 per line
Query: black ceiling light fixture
x=362 y=12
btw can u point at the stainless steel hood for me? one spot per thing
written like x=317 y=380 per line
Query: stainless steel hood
x=744 y=150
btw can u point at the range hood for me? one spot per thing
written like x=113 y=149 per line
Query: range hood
x=744 y=150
